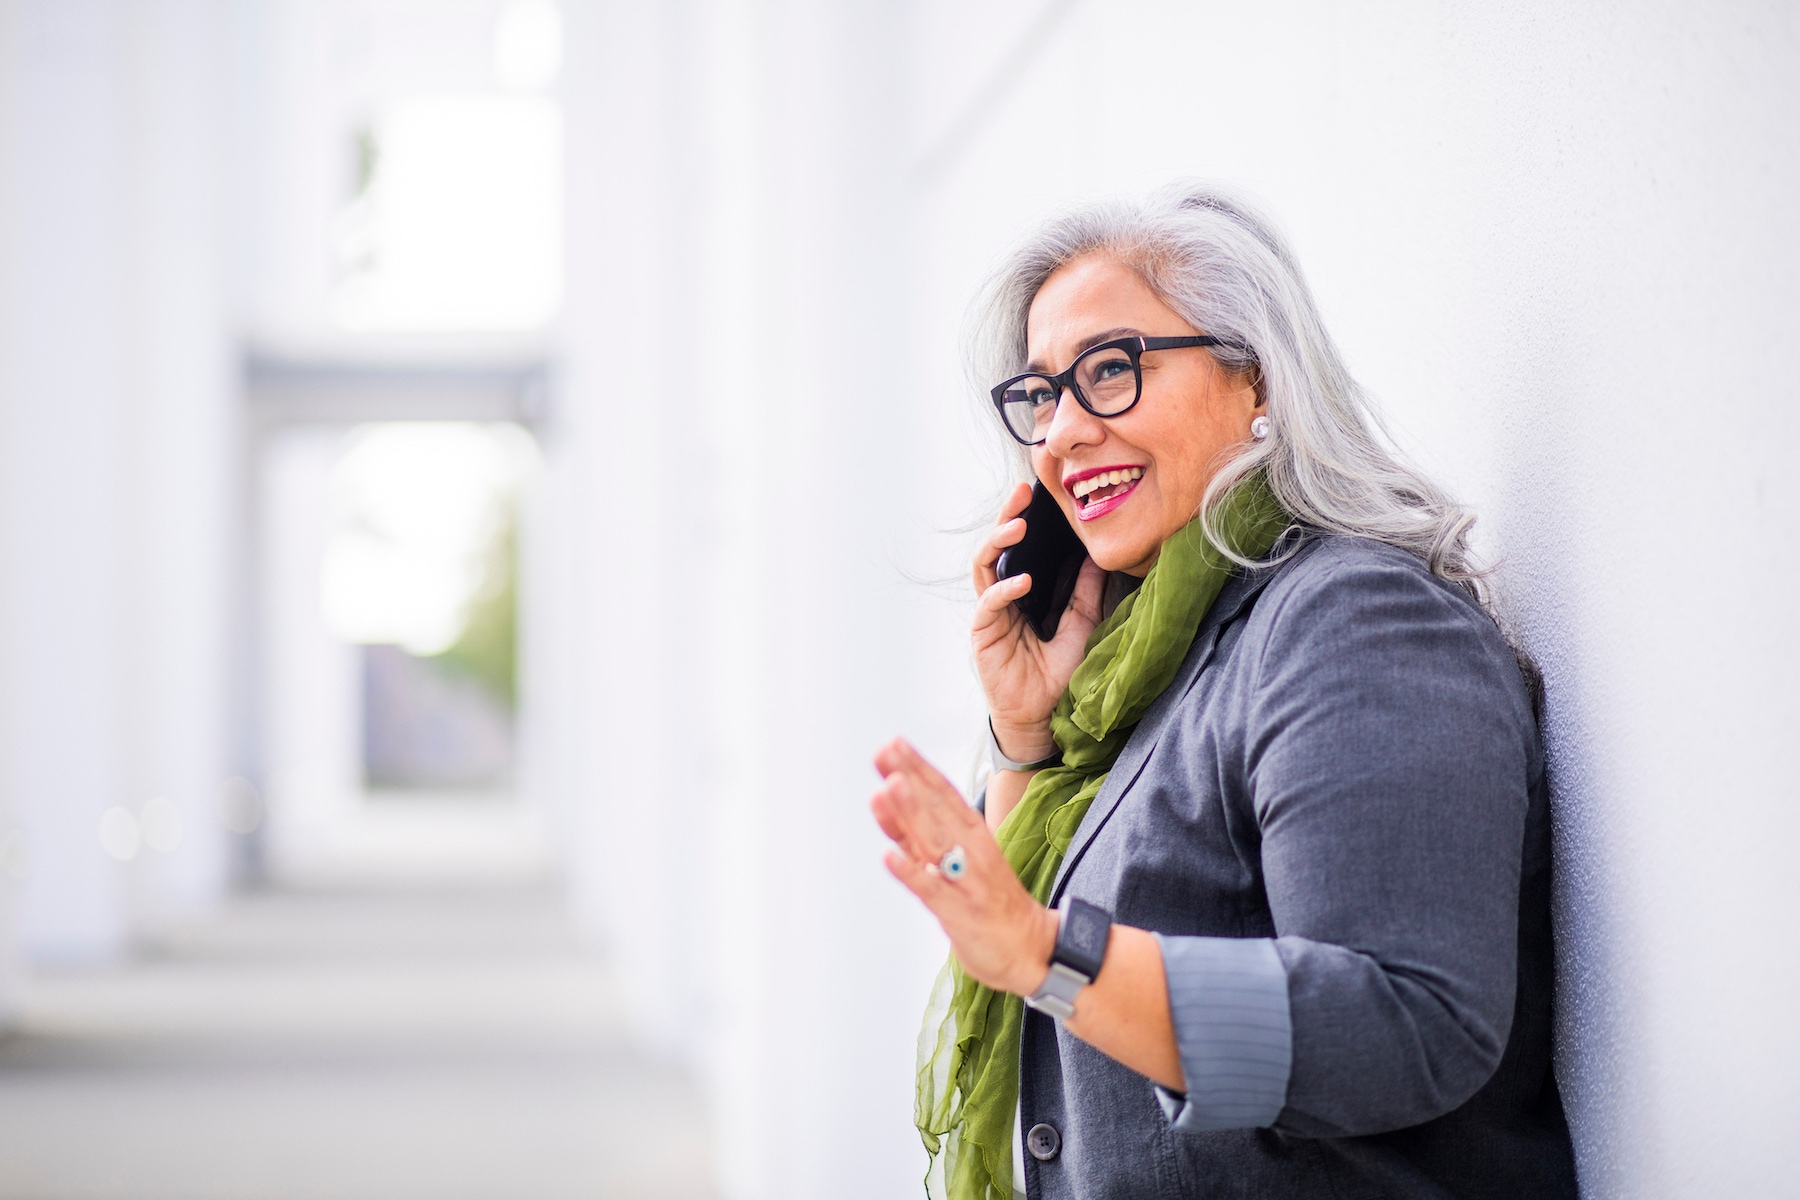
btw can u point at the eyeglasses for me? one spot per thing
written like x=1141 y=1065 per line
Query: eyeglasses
x=1106 y=380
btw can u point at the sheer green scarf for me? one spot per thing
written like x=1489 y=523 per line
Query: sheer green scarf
x=969 y=1048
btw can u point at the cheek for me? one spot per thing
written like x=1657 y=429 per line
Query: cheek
x=1182 y=470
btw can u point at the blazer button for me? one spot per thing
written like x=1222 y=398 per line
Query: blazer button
x=1043 y=1141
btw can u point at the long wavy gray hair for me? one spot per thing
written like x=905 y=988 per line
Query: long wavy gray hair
x=1219 y=264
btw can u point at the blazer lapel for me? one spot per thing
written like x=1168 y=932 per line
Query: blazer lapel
x=1138 y=748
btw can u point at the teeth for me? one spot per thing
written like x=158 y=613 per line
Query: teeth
x=1094 y=483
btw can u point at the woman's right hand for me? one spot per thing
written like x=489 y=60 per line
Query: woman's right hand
x=1022 y=676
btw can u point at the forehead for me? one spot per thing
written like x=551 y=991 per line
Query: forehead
x=1089 y=295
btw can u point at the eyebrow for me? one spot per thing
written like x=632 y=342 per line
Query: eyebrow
x=1087 y=343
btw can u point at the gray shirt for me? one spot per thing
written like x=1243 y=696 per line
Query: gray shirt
x=1336 y=821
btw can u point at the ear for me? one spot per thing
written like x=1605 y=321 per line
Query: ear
x=1251 y=377
x=1246 y=386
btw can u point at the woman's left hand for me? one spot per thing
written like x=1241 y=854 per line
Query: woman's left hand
x=1002 y=936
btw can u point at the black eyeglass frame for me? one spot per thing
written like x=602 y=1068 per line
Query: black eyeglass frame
x=1134 y=347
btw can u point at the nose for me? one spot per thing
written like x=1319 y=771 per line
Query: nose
x=1072 y=426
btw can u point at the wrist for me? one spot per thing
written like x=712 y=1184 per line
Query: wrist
x=1083 y=932
x=1040 y=944
x=1023 y=743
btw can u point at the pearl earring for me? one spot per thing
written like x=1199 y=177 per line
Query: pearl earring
x=1259 y=428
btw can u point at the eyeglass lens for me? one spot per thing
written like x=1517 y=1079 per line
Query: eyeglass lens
x=1105 y=376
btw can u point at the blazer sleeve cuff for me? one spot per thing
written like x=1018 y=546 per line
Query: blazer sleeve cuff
x=1229 y=1001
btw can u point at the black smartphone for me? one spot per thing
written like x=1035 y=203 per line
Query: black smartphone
x=1051 y=554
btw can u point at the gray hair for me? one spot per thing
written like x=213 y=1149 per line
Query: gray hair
x=1211 y=258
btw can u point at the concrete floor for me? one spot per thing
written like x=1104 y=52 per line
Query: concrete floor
x=345 y=1043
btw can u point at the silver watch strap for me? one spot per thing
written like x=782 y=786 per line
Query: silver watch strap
x=1057 y=994
x=997 y=756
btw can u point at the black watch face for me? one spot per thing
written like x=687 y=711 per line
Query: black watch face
x=1082 y=940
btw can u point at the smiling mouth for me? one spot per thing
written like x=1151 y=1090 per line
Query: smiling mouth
x=1093 y=493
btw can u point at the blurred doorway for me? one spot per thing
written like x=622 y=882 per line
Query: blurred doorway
x=389 y=508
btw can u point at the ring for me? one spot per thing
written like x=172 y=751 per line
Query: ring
x=954 y=863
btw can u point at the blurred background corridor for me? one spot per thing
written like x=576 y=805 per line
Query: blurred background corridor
x=478 y=478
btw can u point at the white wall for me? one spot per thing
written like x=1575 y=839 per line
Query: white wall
x=180 y=428
x=1554 y=240
x=64 y=387
x=117 y=394
x=12 y=836
x=311 y=680
x=740 y=641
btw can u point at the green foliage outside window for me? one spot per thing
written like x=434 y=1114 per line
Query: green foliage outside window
x=487 y=649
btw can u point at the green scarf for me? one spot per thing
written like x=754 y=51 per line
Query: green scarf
x=969 y=1047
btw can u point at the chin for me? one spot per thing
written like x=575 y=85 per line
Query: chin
x=1110 y=554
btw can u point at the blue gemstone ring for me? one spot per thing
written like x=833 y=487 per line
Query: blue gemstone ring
x=954 y=864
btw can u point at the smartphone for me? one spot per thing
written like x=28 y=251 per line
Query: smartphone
x=1051 y=554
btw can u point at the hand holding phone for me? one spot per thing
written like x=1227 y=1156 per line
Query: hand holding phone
x=1030 y=634
x=1051 y=553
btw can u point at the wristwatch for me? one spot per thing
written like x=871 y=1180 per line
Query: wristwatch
x=1002 y=763
x=1081 y=939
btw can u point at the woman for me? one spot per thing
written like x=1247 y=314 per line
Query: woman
x=1267 y=842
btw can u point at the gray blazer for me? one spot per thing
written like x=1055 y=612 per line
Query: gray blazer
x=1336 y=819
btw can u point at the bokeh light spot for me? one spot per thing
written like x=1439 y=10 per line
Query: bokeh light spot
x=119 y=836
